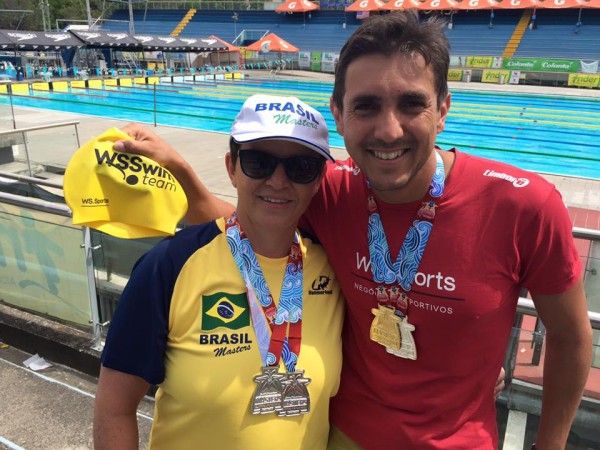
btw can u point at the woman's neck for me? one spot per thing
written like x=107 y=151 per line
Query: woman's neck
x=267 y=242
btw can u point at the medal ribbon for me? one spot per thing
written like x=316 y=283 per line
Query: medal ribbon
x=290 y=300
x=404 y=269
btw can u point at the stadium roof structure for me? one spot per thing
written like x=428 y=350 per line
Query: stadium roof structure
x=107 y=39
x=179 y=44
x=37 y=40
x=41 y=40
x=448 y=5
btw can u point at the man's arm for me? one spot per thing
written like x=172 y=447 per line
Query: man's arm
x=566 y=364
x=203 y=206
x=117 y=398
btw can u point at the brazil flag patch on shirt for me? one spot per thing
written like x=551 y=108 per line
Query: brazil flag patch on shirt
x=223 y=310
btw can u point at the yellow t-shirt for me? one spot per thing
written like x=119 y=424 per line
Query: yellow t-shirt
x=211 y=354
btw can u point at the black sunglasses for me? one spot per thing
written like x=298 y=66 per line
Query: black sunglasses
x=299 y=169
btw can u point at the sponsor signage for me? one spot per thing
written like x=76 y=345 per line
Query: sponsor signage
x=541 y=65
x=584 y=80
x=455 y=75
x=483 y=62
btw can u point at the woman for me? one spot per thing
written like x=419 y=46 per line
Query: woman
x=238 y=320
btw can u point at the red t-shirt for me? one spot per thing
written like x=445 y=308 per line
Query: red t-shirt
x=497 y=228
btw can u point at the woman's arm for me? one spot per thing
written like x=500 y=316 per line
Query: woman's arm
x=203 y=206
x=117 y=399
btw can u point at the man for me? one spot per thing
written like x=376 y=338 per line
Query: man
x=432 y=248
x=195 y=315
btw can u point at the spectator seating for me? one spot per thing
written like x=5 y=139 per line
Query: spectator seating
x=557 y=35
x=481 y=33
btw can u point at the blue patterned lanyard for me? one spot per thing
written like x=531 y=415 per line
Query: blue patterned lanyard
x=278 y=345
x=404 y=269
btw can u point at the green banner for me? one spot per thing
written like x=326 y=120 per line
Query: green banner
x=315 y=61
x=541 y=65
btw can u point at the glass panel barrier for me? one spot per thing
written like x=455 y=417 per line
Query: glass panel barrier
x=592 y=289
x=6 y=113
x=114 y=259
x=40 y=144
x=43 y=265
x=520 y=404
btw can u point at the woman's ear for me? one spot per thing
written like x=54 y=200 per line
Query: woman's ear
x=230 y=165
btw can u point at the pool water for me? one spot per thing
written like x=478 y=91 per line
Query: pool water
x=542 y=133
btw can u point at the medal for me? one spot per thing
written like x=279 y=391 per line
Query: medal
x=295 y=399
x=408 y=348
x=282 y=393
x=384 y=329
x=268 y=394
x=390 y=326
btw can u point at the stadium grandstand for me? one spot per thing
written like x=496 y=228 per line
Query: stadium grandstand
x=572 y=31
x=491 y=40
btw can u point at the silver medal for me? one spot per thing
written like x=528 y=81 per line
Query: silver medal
x=267 y=397
x=295 y=399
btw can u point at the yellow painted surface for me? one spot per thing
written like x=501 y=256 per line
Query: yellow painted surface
x=78 y=84
x=95 y=84
x=110 y=82
x=125 y=81
x=584 y=80
x=139 y=80
x=60 y=86
x=20 y=87
x=40 y=86
x=153 y=80
x=3 y=89
x=455 y=75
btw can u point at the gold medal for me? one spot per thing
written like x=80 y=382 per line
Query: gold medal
x=384 y=329
x=407 y=349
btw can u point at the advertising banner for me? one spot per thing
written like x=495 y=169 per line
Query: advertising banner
x=541 y=65
x=584 y=80
x=484 y=62
x=315 y=61
x=455 y=75
x=495 y=76
x=304 y=60
x=329 y=61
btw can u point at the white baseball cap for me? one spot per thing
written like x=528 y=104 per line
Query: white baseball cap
x=286 y=118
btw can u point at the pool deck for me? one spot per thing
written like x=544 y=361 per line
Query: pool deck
x=205 y=150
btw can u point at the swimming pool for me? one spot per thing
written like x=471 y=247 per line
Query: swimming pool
x=542 y=133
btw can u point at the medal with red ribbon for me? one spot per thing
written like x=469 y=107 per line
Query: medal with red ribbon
x=390 y=327
x=283 y=393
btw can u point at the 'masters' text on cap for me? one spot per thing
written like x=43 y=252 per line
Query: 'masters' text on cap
x=283 y=118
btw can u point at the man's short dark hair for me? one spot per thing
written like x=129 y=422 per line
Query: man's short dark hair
x=390 y=34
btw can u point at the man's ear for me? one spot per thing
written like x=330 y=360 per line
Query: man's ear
x=231 y=169
x=337 y=116
x=444 y=108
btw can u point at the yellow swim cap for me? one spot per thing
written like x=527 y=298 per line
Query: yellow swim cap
x=122 y=194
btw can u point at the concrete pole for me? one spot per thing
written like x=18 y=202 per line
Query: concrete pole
x=131 y=26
